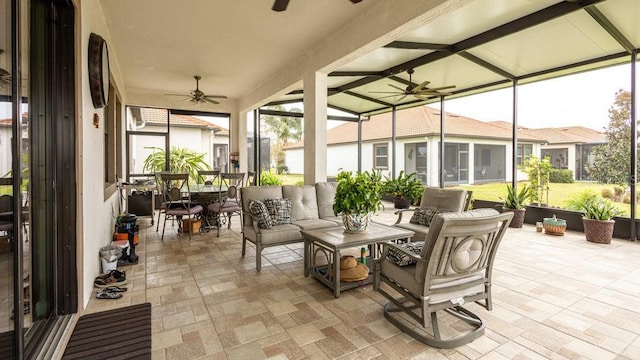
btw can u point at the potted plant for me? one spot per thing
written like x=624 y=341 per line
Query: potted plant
x=406 y=189
x=516 y=202
x=357 y=197
x=598 y=220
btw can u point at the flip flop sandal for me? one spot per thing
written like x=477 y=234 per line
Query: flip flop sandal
x=115 y=289
x=107 y=295
x=118 y=275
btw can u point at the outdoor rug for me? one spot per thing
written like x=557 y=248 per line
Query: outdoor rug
x=123 y=333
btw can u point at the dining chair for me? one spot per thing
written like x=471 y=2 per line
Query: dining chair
x=160 y=192
x=251 y=178
x=208 y=194
x=209 y=177
x=177 y=198
x=228 y=202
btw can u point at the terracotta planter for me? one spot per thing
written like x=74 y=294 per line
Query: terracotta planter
x=518 y=217
x=598 y=231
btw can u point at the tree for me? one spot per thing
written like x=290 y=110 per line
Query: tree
x=611 y=164
x=538 y=171
x=286 y=130
x=181 y=160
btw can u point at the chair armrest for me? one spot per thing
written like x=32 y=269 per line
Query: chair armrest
x=400 y=212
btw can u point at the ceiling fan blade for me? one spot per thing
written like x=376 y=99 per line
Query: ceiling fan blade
x=385 y=92
x=215 y=97
x=388 y=96
x=177 y=95
x=398 y=88
x=420 y=87
x=437 y=89
x=280 y=5
x=402 y=98
x=210 y=101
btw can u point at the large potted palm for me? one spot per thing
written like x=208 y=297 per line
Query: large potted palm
x=358 y=197
x=516 y=202
x=405 y=189
x=181 y=160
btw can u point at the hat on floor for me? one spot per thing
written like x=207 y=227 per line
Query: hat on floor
x=352 y=270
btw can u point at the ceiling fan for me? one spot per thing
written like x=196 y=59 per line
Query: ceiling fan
x=198 y=97
x=281 y=5
x=419 y=91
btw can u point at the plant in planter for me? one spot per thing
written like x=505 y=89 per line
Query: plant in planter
x=406 y=189
x=516 y=202
x=357 y=197
x=598 y=219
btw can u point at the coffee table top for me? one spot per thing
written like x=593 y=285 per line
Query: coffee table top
x=337 y=238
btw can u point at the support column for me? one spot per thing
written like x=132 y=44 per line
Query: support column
x=360 y=144
x=239 y=139
x=514 y=135
x=441 y=157
x=634 y=145
x=315 y=127
x=393 y=142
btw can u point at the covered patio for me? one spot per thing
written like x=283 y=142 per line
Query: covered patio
x=554 y=297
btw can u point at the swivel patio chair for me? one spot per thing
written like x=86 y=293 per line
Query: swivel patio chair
x=454 y=267
x=228 y=201
x=177 y=200
x=436 y=200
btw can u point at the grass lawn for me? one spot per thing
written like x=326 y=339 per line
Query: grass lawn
x=559 y=194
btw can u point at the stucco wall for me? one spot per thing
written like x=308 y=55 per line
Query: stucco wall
x=95 y=213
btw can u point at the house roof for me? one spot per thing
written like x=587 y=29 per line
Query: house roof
x=560 y=135
x=419 y=121
x=158 y=117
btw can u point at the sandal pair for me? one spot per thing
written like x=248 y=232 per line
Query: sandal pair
x=111 y=292
x=112 y=278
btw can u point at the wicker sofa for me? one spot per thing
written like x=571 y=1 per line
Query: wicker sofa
x=311 y=208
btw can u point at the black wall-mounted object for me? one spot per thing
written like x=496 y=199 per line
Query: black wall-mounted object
x=98 y=70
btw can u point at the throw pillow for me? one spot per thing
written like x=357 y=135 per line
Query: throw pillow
x=424 y=216
x=279 y=210
x=402 y=259
x=261 y=214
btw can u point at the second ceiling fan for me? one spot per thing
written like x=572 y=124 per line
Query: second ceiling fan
x=420 y=91
x=281 y=5
x=198 y=97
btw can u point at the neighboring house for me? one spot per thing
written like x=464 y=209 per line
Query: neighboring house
x=475 y=151
x=186 y=132
x=567 y=147
x=5 y=144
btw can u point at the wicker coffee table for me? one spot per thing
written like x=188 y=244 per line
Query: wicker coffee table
x=330 y=241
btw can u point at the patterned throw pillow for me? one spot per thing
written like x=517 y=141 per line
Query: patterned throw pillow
x=279 y=210
x=402 y=259
x=423 y=216
x=260 y=212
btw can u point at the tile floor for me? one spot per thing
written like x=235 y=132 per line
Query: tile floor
x=554 y=297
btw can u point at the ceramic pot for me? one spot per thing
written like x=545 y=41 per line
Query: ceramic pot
x=598 y=231
x=356 y=223
x=518 y=217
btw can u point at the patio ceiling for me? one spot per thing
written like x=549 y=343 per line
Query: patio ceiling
x=487 y=45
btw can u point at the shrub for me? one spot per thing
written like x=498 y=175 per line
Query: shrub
x=561 y=176
x=299 y=183
x=626 y=198
x=606 y=193
x=618 y=193
x=268 y=178
x=578 y=201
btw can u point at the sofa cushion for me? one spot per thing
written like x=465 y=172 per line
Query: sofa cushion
x=280 y=234
x=304 y=205
x=424 y=216
x=420 y=231
x=443 y=199
x=326 y=193
x=260 y=213
x=259 y=193
x=315 y=224
x=279 y=210
x=402 y=259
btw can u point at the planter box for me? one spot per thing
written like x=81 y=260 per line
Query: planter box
x=191 y=225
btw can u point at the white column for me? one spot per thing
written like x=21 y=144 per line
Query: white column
x=315 y=127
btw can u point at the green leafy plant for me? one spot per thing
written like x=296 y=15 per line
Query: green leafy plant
x=561 y=176
x=268 y=178
x=517 y=199
x=578 y=201
x=600 y=209
x=358 y=193
x=181 y=160
x=405 y=186
x=539 y=171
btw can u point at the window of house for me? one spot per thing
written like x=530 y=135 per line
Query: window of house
x=381 y=156
x=523 y=150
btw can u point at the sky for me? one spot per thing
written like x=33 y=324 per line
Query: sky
x=581 y=99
